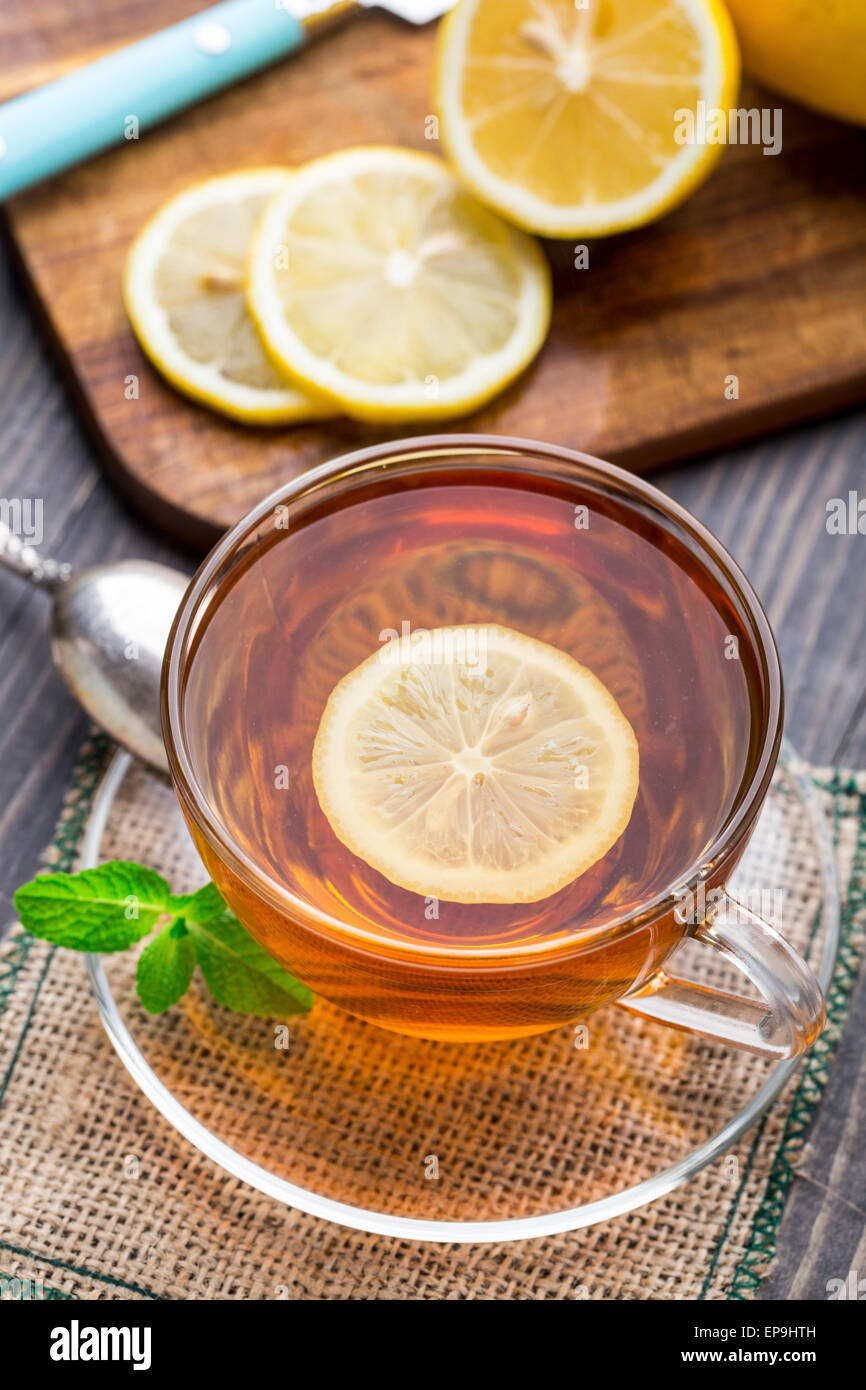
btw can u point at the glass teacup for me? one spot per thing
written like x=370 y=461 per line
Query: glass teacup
x=441 y=531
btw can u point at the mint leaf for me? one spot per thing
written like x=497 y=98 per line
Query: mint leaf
x=102 y=909
x=113 y=906
x=242 y=976
x=199 y=906
x=165 y=968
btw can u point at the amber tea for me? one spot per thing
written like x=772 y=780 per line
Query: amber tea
x=328 y=581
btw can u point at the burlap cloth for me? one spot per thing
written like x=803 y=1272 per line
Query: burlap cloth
x=102 y=1198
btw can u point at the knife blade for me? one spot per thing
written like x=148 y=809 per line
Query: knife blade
x=415 y=11
x=116 y=98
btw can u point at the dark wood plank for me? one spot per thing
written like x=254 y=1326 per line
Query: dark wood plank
x=823 y=1231
x=45 y=456
x=762 y=274
x=768 y=505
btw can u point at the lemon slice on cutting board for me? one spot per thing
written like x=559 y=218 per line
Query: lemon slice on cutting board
x=184 y=292
x=376 y=278
x=565 y=117
x=475 y=764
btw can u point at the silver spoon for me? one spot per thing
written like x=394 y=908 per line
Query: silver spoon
x=110 y=624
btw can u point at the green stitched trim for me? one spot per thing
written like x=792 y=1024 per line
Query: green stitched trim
x=830 y=786
x=81 y=1269
x=28 y=1019
x=761 y=1250
x=61 y=855
x=758 y=1135
x=14 y=957
x=86 y=778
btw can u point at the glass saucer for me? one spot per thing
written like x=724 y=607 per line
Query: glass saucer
x=446 y=1142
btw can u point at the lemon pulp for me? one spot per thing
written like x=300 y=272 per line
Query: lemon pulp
x=374 y=277
x=475 y=764
x=565 y=117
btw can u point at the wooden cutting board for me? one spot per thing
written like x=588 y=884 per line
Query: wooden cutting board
x=761 y=275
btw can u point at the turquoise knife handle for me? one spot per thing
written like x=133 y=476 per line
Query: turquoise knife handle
x=126 y=92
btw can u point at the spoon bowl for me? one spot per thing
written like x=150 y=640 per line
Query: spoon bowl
x=109 y=629
x=110 y=626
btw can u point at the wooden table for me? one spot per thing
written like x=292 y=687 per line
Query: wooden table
x=767 y=503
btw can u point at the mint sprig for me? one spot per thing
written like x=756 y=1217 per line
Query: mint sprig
x=112 y=907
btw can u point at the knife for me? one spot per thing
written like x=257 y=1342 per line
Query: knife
x=130 y=90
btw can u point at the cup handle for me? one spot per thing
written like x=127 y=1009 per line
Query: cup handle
x=784 y=1023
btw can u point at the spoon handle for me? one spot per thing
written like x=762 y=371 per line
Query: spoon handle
x=25 y=561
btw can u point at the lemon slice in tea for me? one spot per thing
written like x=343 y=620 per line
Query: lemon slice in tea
x=475 y=764
x=184 y=293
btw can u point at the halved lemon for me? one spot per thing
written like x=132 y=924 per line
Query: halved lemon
x=813 y=53
x=376 y=278
x=184 y=292
x=475 y=764
x=568 y=118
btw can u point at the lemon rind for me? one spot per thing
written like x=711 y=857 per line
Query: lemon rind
x=149 y=320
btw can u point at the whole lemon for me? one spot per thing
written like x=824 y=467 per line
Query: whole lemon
x=813 y=52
